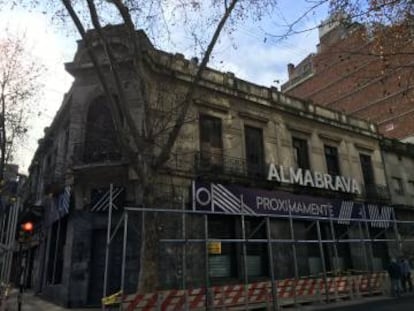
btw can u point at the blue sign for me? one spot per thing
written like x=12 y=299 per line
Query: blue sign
x=233 y=199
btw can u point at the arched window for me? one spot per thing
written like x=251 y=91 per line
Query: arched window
x=100 y=137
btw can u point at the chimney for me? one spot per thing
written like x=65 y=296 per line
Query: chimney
x=291 y=69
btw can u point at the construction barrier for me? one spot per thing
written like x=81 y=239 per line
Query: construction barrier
x=255 y=295
x=370 y=284
x=4 y=294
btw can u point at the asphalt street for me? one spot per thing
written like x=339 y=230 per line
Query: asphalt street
x=31 y=302
x=379 y=303
x=405 y=303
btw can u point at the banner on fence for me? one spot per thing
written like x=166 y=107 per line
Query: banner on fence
x=234 y=199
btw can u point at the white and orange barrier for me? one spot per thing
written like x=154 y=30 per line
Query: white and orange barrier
x=255 y=295
x=369 y=284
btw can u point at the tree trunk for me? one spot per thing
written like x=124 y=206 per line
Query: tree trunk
x=148 y=280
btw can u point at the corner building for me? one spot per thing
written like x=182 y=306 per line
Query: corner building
x=253 y=169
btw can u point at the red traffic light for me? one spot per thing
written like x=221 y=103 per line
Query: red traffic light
x=27 y=226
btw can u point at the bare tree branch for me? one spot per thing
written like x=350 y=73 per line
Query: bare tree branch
x=163 y=156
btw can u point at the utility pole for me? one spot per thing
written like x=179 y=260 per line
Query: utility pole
x=25 y=237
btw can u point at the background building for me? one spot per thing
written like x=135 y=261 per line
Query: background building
x=359 y=75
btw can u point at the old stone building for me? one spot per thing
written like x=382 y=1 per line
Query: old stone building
x=246 y=154
x=399 y=167
x=365 y=78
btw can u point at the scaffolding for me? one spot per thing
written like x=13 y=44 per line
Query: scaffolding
x=8 y=225
x=365 y=239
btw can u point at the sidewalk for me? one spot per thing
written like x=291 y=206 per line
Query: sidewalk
x=346 y=303
x=35 y=303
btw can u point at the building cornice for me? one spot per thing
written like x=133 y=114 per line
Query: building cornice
x=184 y=70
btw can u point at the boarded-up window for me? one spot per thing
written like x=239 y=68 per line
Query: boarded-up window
x=257 y=257
x=222 y=265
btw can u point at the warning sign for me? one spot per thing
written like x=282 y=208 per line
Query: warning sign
x=214 y=248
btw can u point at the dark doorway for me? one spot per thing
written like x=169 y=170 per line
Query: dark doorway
x=97 y=266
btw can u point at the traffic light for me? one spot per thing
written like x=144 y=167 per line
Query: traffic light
x=26 y=232
x=27 y=227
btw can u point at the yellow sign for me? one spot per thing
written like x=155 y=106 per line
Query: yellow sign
x=113 y=299
x=214 y=248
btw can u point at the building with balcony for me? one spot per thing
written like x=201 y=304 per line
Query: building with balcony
x=399 y=164
x=248 y=154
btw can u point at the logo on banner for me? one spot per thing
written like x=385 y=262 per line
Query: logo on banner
x=218 y=198
x=236 y=200
x=381 y=218
x=345 y=213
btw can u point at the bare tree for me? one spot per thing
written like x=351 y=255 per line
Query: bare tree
x=20 y=85
x=148 y=143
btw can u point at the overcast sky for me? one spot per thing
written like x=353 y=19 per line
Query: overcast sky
x=253 y=54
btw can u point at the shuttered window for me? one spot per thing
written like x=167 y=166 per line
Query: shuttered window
x=256 y=260
x=300 y=153
x=211 y=145
x=332 y=161
x=224 y=264
x=254 y=151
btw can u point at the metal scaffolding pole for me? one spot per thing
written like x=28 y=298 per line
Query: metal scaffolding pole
x=294 y=252
x=275 y=304
x=2 y=226
x=322 y=254
x=12 y=237
x=336 y=257
x=207 y=277
x=370 y=254
x=184 y=254
x=5 y=255
x=244 y=261
x=124 y=251
x=369 y=249
x=396 y=233
x=335 y=246
x=108 y=244
x=361 y=234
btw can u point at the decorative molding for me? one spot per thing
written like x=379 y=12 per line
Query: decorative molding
x=253 y=117
x=330 y=138
x=363 y=147
x=209 y=105
x=301 y=131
